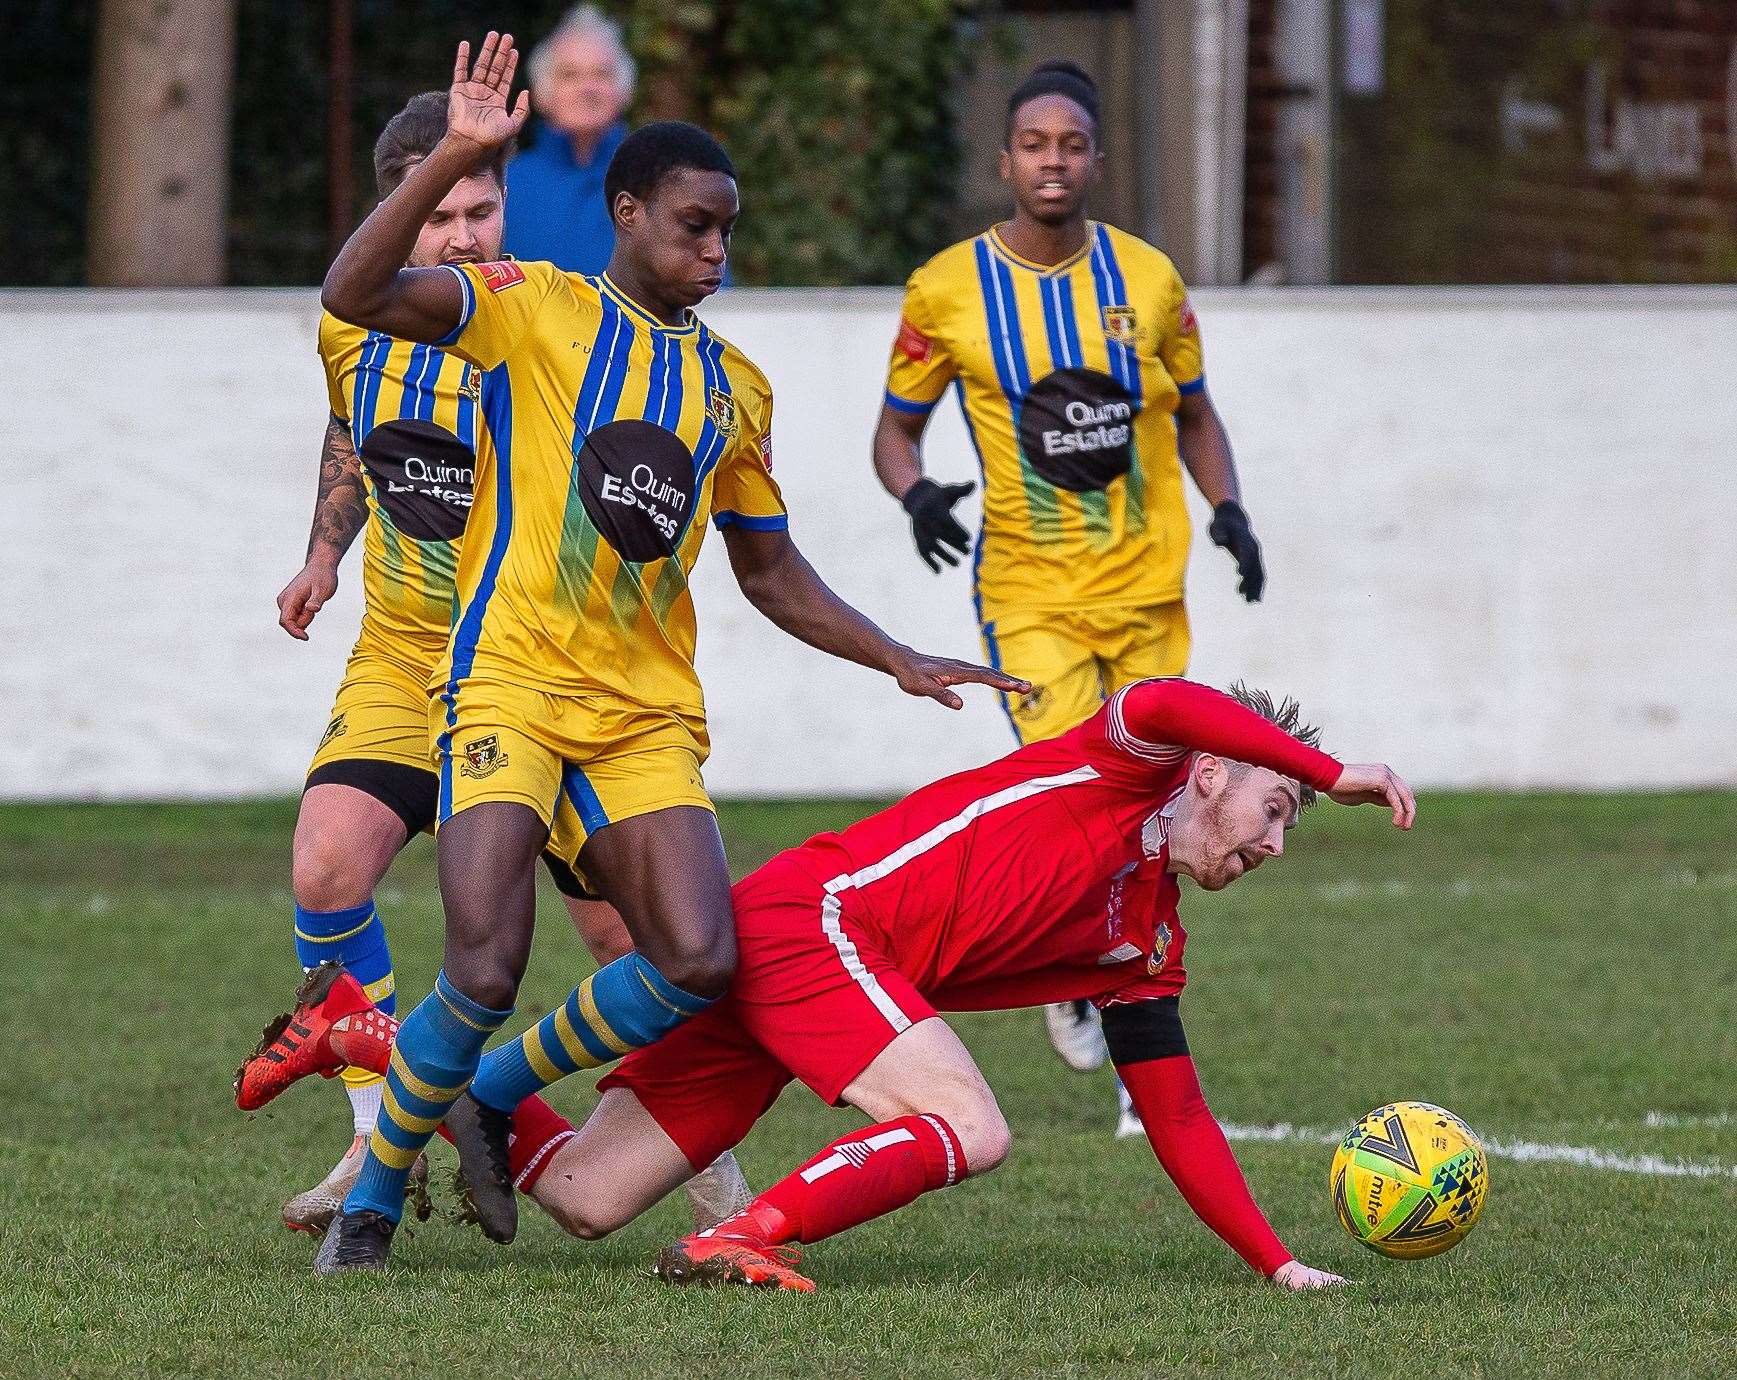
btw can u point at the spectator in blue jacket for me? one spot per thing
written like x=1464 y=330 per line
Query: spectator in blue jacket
x=581 y=79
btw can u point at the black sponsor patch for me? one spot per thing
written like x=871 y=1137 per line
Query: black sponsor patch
x=1076 y=428
x=636 y=482
x=422 y=476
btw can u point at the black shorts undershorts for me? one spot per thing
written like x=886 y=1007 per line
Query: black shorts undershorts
x=414 y=796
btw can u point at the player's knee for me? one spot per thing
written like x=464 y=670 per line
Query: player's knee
x=970 y=1109
x=703 y=967
x=485 y=971
x=327 y=875
x=984 y=1137
x=579 y=1214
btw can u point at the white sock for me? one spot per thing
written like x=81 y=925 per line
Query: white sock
x=365 y=1104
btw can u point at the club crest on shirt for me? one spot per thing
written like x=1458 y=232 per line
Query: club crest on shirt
x=472 y=385
x=1028 y=705
x=1119 y=324
x=721 y=408
x=1160 y=948
x=483 y=757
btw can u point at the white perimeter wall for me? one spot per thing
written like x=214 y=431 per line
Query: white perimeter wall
x=1501 y=531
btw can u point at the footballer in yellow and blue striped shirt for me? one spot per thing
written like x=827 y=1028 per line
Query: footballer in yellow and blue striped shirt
x=1077 y=360
x=615 y=426
x=396 y=468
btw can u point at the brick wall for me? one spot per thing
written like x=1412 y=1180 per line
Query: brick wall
x=1544 y=141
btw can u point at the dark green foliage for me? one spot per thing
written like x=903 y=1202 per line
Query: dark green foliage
x=44 y=126
x=839 y=116
x=837 y=113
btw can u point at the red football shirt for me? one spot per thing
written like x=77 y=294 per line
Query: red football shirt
x=1042 y=876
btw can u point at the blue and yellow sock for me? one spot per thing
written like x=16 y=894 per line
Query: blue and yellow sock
x=356 y=938
x=433 y=1060
x=619 y=1008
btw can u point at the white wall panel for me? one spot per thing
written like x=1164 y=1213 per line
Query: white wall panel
x=1501 y=530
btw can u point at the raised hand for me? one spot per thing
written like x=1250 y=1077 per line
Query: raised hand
x=476 y=107
x=1371 y=783
x=930 y=676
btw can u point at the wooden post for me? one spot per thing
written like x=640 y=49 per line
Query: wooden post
x=160 y=143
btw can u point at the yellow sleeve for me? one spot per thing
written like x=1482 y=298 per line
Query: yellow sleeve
x=921 y=368
x=340 y=351
x=501 y=300
x=745 y=494
x=1179 y=347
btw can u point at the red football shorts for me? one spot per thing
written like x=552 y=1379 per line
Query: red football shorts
x=813 y=999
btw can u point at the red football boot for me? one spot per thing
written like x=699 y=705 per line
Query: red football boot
x=300 y=1043
x=706 y=1259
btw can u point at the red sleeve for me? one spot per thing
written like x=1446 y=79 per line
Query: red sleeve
x=1192 y=1148
x=1159 y=721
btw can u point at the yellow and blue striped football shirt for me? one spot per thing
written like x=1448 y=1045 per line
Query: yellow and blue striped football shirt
x=609 y=438
x=1069 y=375
x=412 y=413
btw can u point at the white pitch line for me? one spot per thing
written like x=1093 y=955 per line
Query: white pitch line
x=1520 y=1151
x=1682 y=1121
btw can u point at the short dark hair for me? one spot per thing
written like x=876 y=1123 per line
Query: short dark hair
x=1287 y=716
x=652 y=152
x=1056 y=77
x=410 y=136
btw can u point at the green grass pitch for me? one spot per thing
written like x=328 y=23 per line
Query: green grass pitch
x=1552 y=968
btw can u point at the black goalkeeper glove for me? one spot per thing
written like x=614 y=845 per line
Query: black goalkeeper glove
x=933 y=526
x=1230 y=530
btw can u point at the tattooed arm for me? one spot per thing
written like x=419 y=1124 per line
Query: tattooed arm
x=340 y=512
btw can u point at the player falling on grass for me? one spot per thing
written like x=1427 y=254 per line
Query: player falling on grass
x=1049 y=875
x=398 y=459
x=567 y=711
x=1077 y=361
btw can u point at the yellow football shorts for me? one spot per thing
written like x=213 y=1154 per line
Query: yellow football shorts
x=579 y=762
x=1075 y=659
x=381 y=713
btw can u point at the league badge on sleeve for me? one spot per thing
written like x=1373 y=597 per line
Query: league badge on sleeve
x=912 y=343
x=501 y=275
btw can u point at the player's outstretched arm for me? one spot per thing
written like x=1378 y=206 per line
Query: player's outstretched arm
x=778 y=581
x=368 y=284
x=1181 y=713
x=1150 y=1051
x=340 y=512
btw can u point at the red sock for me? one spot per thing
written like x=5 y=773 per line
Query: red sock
x=537 y=1130
x=858 y=1177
